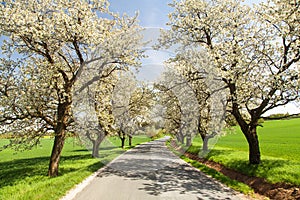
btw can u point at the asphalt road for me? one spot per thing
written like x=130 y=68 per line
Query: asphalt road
x=151 y=171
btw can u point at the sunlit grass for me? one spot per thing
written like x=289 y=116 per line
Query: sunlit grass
x=236 y=185
x=136 y=140
x=23 y=175
x=279 y=142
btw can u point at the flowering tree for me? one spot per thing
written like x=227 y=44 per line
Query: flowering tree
x=54 y=41
x=196 y=69
x=180 y=103
x=141 y=102
x=171 y=115
x=93 y=109
x=131 y=107
x=256 y=53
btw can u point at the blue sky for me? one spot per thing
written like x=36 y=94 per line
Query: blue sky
x=152 y=13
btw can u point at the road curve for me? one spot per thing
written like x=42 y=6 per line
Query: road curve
x=151 y=171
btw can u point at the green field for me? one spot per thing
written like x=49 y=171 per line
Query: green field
x=23 y=175
x=280 y=149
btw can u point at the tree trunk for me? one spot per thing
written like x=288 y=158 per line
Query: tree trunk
x=122 y=137
x=130 y=140
x=205 y=139
x=180 y=138
x=123 y=142
x=248 y=129
x=96 y=144
x=188 y=140
x=63 y=113
x=205 y=144
x=55 y=155
x=254 y=151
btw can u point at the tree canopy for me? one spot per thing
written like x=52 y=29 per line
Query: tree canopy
x=55 y=42
x=255 y=52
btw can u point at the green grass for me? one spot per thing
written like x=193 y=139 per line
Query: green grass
x=23 y=175
x=236 y=185
x=280 y=149
x=136 y=140
x=278 y=138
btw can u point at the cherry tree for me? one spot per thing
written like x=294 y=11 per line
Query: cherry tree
x=196 y=69
x=53 y=42
x=171 y=114
x=93 y=109
x=131 y=106
x=255 y=52
x=141 y=102
x=180 y=103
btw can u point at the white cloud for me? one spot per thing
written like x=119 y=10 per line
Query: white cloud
x=291 y=108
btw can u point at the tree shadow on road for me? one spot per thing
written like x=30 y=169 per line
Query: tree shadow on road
x=163 y=173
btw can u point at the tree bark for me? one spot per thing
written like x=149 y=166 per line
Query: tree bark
x=188 y=140
x=180 y=138
x=130 y=140
x=63 y=111
x=123 y=142
x=96 y=145
x=248 y=129
x=250 y=133
x=205 y=144
x=122 y=137
x=204 y=140
x=55 y=155
x=96 y=142
x=254 y=150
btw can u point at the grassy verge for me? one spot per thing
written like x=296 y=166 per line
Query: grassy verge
x=23 y=175
x=236 y=185
x=279 y=141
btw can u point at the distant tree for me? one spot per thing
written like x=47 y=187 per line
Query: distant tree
x=131 y=106
x=172 y=113
x=54 y=42
x=255 y=52
x=211 y=106
x=181 y=107
x=93 y=107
